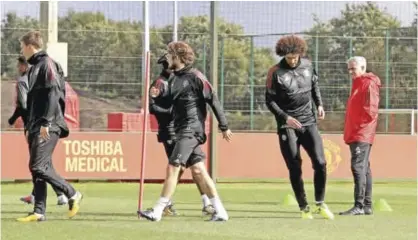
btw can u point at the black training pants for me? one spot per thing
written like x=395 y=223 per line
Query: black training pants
x=58 y=192
x=309 y=138
x=42 y=170
x=360 y=166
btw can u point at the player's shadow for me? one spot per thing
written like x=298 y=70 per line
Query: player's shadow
x=79 y=219
x=12 y=204
x=278 y=203
x=251 y=203
x=238 y=202
x=240 y=210
x=132 y=218
x=339 y=202
x=265 y=217
x=104 y=214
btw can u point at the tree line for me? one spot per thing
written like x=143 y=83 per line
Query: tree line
x=105 y=56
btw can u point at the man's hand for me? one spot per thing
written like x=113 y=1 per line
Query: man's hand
x=10 y=121
x=321 y=113
x=44 y=133
x=155 y=92
x=293 y=123
x=227 y=135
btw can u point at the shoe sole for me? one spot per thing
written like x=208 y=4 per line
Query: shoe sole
x=357 y=214
x=146 y=217
x=26 y=202
x=37 y=220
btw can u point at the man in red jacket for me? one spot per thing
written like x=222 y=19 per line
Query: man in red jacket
x=359 y=131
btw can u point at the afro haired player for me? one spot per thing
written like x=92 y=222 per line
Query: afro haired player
x=291 y=86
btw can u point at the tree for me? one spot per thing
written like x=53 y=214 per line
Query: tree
x=236 y=54
x=362 y=29
x=12 y=28
x=104 y=55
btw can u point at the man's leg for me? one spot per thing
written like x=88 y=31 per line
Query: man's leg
x=206 y=186
x=62 y=199
x=182 y=150
x=359 y=167
x=311 y=141
x=368 y=210
x=40 y=151
x=42 y=169
x=29 y=199
x=197 y=156
x=169 y=209
x=207 y=205
x=290 y=149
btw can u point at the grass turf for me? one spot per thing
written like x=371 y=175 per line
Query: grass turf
x=108 y=212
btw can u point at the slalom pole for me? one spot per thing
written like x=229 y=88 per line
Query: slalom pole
x=144 y=130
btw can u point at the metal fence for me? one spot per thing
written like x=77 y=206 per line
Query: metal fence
x=105 y=60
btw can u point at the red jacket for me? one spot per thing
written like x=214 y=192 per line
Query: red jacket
x=362 y=109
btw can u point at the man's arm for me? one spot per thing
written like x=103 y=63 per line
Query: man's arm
x=212 y=99
x=316 y=93
x=50 y=77
x=21 y=108
x=15 y=116
x=270 y=95
x=372 y=101
x=161 y=86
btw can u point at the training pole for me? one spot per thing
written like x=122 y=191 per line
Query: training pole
x=145 y=100
x=144 y=131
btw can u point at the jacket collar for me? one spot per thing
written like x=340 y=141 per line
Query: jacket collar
x=37 y=57
x=183 y=70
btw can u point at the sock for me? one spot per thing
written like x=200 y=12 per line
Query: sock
x=38 y=214
x=318 y=203
x=205 y=200
x=219 y=207
x=75 y=196
x=160 y=205
x=62 y=197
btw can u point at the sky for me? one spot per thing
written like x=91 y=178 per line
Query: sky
x=263 y=17
x=255 y=17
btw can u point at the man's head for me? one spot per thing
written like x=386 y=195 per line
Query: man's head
x=30 y=43
x=356 y=66
x=22 y=65
x=179 y=55
x=291 y=48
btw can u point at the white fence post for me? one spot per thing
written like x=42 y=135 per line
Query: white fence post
x=413 y=122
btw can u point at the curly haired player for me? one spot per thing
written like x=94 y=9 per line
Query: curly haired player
x=291 y=86
x=160 y=107
x=189 y=91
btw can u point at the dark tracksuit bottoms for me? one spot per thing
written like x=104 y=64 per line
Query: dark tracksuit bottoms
x=42 y=170
x=309 y=138
x=360 y=167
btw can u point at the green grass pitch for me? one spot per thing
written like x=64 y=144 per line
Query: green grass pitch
x=108 y=212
